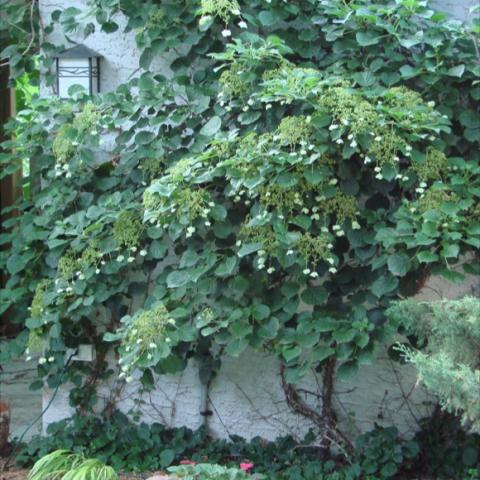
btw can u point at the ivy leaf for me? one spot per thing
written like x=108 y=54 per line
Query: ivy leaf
x=211 y=127
x=427 y=257
x=456 y=71
x=166 y=458
x=347 y=370
x=248 y=248
x=177 y=278
x=383 y=285
x=398 y=264
x=227 y=267
x=365 y=79
x=236 y=346
x=290 y=353
x=366 y=39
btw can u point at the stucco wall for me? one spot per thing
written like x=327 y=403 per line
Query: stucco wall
x=247 y=398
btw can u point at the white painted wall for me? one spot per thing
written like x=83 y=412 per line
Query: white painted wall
x=246 y=397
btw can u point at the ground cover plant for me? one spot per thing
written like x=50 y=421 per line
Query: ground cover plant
x=320 y=153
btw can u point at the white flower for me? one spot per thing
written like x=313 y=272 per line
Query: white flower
x=129 y=379
x=399 y=176
x=226 y=33
x=42 y=360
x=242 y=24
x=171 y=321
x=431 y=103
x=268 y=106
x=261 y=253
x=60 y=290
x=340 y=233
x=405 y=178
x=345 y=121
x=367 y=160
x=353 y=144
x=330 y=246
x=314 y=274
x=122 y=374
x=120 y=258
x=246 y=108
x=445 y=225
x=133 y=249
x=261 y=266
x=332 y=270
x=270 y=270
x=333 y=181
x=331 y=261
x=306 y=271
x=211 y=204
x=152 y=345
x=336 y=227
x=419 y=190
x=143 y=253
x=355 y=225
x=139 y=341
x=377 y=169
x=168 y=340
x=379 y=176
x=97 y=271
x=250 y=102
x=324 y=230
x=315 y=216
x=339 y=141
x=238 y=243
x=51 y=359
x=69 y=289
x=130 y=259
x=423 y=185
x=290 y=252
x=28 y=359
x=408 y=148
x=103 y=262
x=149 y=356
x=207 y=224
x=378 y=138
x=333 y=126
x=305 y=210
x=413 y=209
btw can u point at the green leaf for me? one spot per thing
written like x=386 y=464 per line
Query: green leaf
x=178 y=278
x=248 y=248
x=398 y=264
x=211 y=127
x=260 y=312
x=365 y=79
x=347 y=370
x=290 y=353
x=383 y=285
x=166 y=458
x=427 y=257
x=456 y=71
x=236 y=346
x=227 y=267
x=344 y=336
x=321 y=353
x=367 y=38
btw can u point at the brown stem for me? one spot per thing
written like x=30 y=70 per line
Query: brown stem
x=326 y=420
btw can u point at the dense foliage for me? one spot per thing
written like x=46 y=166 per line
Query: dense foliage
x=449 y=371
x=281 y=200
x=380 y=454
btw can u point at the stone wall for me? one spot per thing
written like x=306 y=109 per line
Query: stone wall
x=247 y=398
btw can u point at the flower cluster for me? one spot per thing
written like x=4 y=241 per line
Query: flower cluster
x=127 y=230
x=37 y=306
x=314 y=249
x=433 y=167
x=224 y=9
x=147 y=332
x=67 y=265
x=87 y=119
x=433 y=199
x=36 y=343
x=232 y=86
x=63 y=147
x=152 y=167
x=293 y=130
x=349 y=109
x=386 y=146
x=341 y=206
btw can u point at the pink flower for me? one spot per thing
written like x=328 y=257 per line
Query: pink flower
x=187 y=462
x=246 y=467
